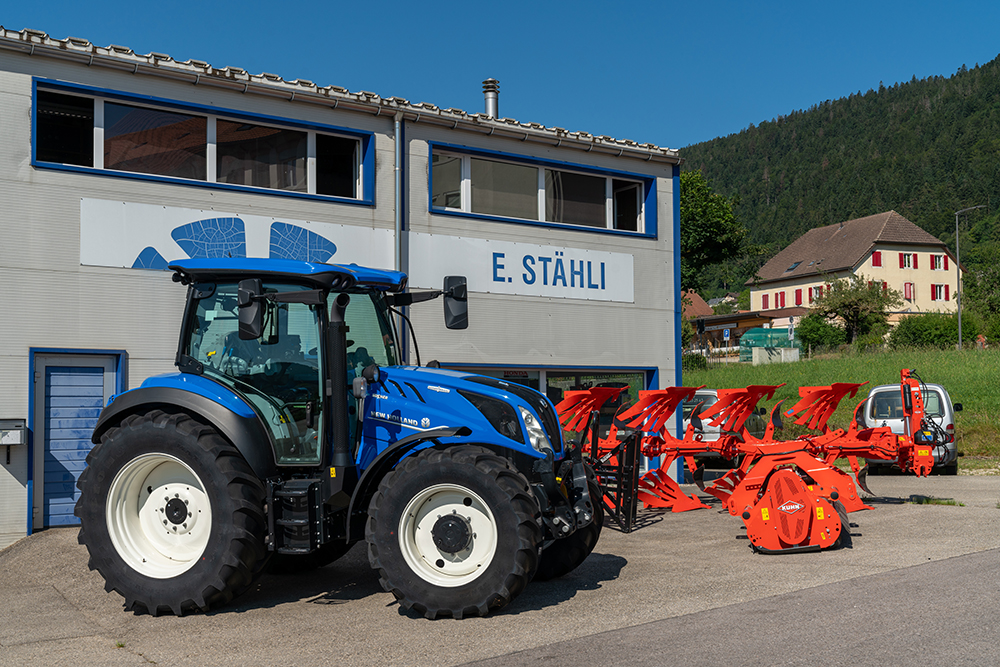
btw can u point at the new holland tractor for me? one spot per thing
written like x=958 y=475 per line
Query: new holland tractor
x=290 y=432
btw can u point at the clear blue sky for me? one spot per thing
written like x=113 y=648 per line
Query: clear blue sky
x=669 y=73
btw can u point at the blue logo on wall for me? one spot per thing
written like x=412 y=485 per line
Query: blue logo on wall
x=226 y=237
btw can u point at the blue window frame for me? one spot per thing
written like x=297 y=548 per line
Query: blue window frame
x=207 y=146
x=497 y=186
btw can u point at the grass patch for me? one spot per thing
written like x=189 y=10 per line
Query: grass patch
x=969 y=376
x=931 y=500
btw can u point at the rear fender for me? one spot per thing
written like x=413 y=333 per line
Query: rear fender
x=247 y=433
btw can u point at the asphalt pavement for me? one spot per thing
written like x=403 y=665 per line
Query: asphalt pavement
x=917 y=587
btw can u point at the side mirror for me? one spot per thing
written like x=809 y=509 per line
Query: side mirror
x=251 y=313
x=456 y=302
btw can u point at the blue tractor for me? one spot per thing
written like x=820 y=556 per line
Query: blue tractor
x=291 y=432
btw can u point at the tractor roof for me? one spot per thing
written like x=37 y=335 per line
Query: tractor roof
x=329 y=276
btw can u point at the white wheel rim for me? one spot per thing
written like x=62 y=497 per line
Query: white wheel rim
x=144 y=513
x=416 y=542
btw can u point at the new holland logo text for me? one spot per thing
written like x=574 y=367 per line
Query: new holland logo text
x=791 y=507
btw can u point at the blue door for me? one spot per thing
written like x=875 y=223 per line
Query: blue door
x=73 y=390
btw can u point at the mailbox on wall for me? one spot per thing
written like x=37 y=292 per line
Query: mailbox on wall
x=13 y=432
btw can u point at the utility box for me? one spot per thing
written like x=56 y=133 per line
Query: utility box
x=13 y=481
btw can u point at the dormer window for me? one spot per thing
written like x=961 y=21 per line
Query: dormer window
x=792 y=267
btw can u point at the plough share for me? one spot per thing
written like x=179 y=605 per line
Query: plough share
x=789 y=493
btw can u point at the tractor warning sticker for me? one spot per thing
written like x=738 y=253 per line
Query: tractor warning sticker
x=791 y=507
x=819 y=513
x=764 y=513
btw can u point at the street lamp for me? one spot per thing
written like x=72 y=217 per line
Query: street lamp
x=958 y=272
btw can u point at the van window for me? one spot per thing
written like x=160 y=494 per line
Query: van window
x=889 y=405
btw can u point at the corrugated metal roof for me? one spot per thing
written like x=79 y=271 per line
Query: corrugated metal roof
x=38 y=43
x=842 y=246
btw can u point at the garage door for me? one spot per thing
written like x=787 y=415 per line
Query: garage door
x=75 y=390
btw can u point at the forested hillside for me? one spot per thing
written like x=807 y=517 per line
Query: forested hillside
x=925 y=148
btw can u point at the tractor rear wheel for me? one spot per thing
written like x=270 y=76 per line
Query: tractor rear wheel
x=565 y=555
x=454 y=532
x=172 y=515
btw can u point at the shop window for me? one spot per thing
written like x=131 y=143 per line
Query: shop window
x=337 y=161
x=64 y=129
x=524 y=191
x=164 y=139
x=504 y=189
x=446 y=177
x=260 y=156
x=577 y=199
x=153 y=141
x=628 y=204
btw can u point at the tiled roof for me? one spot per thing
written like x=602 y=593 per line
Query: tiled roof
x=37 y=43
x=842 y=246
x=694 y=305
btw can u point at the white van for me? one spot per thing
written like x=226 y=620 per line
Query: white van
x=884 y=407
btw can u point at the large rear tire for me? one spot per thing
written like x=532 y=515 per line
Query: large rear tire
x=565 y=555
x=172 y=515
x=454 y=532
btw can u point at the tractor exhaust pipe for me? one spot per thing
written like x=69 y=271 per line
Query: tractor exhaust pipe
x=337 y=389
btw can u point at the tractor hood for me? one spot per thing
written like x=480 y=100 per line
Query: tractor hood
x=407 y=400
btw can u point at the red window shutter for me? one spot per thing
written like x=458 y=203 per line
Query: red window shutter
x=782 y=299
x=908 y=291
x=946 y=295
x=763 y=302
x=934 y=292
x=946 y=262
x=914 y=260
x=902 y=261
x=798 y=297
x=810 y=291
x=877 y=258
x=885 y=287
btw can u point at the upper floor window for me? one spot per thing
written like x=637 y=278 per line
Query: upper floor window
x=763 y=302
x=877 y=258
x=907 y=260
x=90 y=131
x=939 y=262
x=940 y=293
x=909 y=291
x=535 y=192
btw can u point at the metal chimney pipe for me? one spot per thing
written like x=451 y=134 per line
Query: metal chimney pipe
x=491 y=91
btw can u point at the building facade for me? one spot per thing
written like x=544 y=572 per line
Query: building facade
x=885 y=249
x=115 y=163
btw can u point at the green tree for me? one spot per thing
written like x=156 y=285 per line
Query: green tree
x=863 y=307
x=710 y=232
x=814 y=330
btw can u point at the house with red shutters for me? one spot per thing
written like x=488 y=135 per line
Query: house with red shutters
x=885 y=248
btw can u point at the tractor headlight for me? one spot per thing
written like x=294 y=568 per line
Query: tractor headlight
x=536 y=434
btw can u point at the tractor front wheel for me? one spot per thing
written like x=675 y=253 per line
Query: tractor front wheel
x=172 y=515
x=454 y=532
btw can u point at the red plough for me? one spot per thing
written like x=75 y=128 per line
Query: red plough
x=790 y=494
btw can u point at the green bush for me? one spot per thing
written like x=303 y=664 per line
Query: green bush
x=816 y=331
x=937 y=330
x=693 y=362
